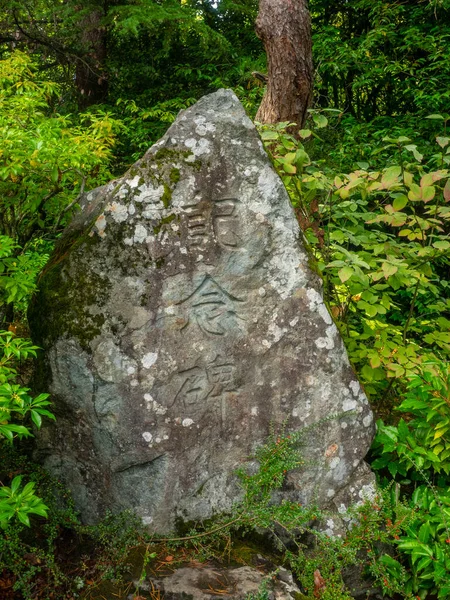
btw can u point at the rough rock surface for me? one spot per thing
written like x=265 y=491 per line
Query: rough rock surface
x=179 y=319
x=207 y=583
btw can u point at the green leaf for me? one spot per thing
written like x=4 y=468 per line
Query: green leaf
x=320 y=121
x=55 y=174
x=400 y=202
x=424 y=532
x=15 y=484
x=413 y=148
x=269 y=135
x=388 y=269
x=423 y=563
x=442 y=141
x=390 y=176
x=23 y=517
x=441 y=245
x=345 y=273
x=36 y=418
x=428 y=193
x=447 y=190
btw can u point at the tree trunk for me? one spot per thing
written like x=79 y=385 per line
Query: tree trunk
x=284 y=27
x=90 y=74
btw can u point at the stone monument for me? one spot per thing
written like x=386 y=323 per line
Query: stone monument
x=179 y=320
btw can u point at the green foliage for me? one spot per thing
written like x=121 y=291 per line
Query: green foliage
x=18 y=273
x=16 y=407
x=426 y=543
x=421 y=444
x=19 y=503
x=380 y=239
x=378 y=58
x=46 y=160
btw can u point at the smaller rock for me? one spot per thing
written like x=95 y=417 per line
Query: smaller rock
x=206 y=582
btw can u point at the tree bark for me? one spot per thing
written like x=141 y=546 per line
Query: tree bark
x=90 y=74
x=284 y=27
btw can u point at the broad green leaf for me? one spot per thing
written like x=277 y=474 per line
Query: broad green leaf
x=428 y=193
x=388 y=269
x=424 y=532
x=400 y=202
x=23 y=517
x=441 y=245
x=269 y=135
x=447 y=190
x=15 y=484
x=442 y=141
x=390 y=176
x=36 y=418
x=320 y=121
x=375 y=361
x=415 y=192
x=345 y=273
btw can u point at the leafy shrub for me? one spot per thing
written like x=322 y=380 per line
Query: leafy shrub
x=380 y=240
x=47 y=160
x=422 y=443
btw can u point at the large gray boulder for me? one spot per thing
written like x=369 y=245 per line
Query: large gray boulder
x=179 y=320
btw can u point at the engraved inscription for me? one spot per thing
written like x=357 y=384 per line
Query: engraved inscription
x=213 y=380
x=212 y=308
x=219 y=217
x=197 y=224
x=226 y=222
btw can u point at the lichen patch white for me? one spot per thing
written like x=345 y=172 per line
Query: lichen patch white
x=154 y=406
x=254 y=411
x=118 y=211
x=147 y=520
x=149 y=359
x=140 y=234
x=349 y=405
x=354 y=386
x=367 y=421
x=204 y=128
x=149 y=194
x=147 y=436
x=198 y=147
x=334 y=462
x=276 y=332
x=187 y=422
x=134 y=182
x=368 y=492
